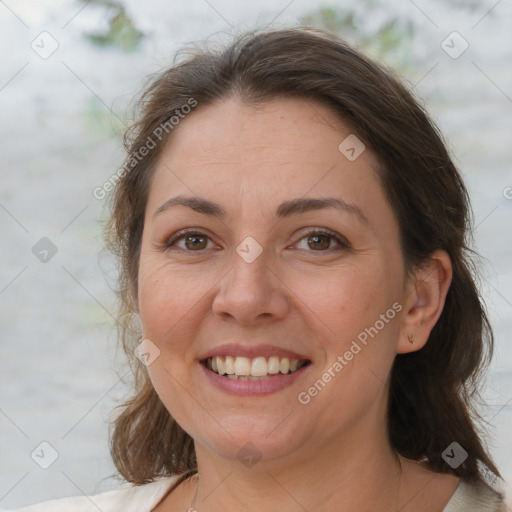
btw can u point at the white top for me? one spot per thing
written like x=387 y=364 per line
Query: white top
x=143 y=498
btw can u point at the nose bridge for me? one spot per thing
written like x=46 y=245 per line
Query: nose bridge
x=250 y=271
x=253 y=254
x=250 y=289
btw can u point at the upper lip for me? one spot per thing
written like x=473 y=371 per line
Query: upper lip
x=252 y=351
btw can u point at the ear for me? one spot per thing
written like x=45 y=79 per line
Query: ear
x=426 y=291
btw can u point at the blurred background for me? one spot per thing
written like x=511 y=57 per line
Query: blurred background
x=69 y=71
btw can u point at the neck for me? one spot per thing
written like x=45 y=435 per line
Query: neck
x=342 y=476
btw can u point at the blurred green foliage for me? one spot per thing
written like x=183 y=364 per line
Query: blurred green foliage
x=99 y=120
x=388 y=42
x=121 y=33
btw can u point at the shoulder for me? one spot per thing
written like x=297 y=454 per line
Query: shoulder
x=475 y=497
x=140 y=498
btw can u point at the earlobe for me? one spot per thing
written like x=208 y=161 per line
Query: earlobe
x=425 y=298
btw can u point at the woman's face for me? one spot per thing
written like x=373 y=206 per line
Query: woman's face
x=257 y=279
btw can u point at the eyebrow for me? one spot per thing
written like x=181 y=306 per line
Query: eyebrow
x=285 y=209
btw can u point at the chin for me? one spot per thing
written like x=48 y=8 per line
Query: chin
x=259 y=443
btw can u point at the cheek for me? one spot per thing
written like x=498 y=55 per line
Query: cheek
x=347 y=309
x=168 y=303
x=154 y=297
x=345 y=300
x=168 y=299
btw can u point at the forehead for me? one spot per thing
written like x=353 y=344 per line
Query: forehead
x=280 y=148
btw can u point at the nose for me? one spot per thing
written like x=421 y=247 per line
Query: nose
x=251 y=293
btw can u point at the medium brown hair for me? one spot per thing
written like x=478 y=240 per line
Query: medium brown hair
x=432 y=391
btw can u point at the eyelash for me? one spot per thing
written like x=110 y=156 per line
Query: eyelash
x=342 y=243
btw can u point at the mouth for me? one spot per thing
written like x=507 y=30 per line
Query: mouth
x=253 y=369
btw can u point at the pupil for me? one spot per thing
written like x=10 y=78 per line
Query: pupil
x=317 y=240
x=196 y=240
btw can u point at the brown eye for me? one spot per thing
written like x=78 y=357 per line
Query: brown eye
x=187 y=241
x=196 y=242
x=319 y=242
x=322 y=240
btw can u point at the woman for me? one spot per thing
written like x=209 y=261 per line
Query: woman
x=291 y=233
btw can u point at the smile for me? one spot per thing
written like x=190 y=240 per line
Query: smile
x=257 y=368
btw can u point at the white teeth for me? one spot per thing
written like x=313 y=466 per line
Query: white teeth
x=242 y=366
x=273 y=365
x=229 y=366
x=258 y=368
x=220 y=366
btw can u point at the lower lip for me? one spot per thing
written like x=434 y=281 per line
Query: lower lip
x=253 y=387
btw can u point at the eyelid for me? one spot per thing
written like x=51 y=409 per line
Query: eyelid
x=182 y=233
x=311 y=231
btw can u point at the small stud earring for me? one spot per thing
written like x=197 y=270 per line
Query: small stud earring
x=410 y=337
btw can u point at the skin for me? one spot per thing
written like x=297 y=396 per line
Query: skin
x=301 y=294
